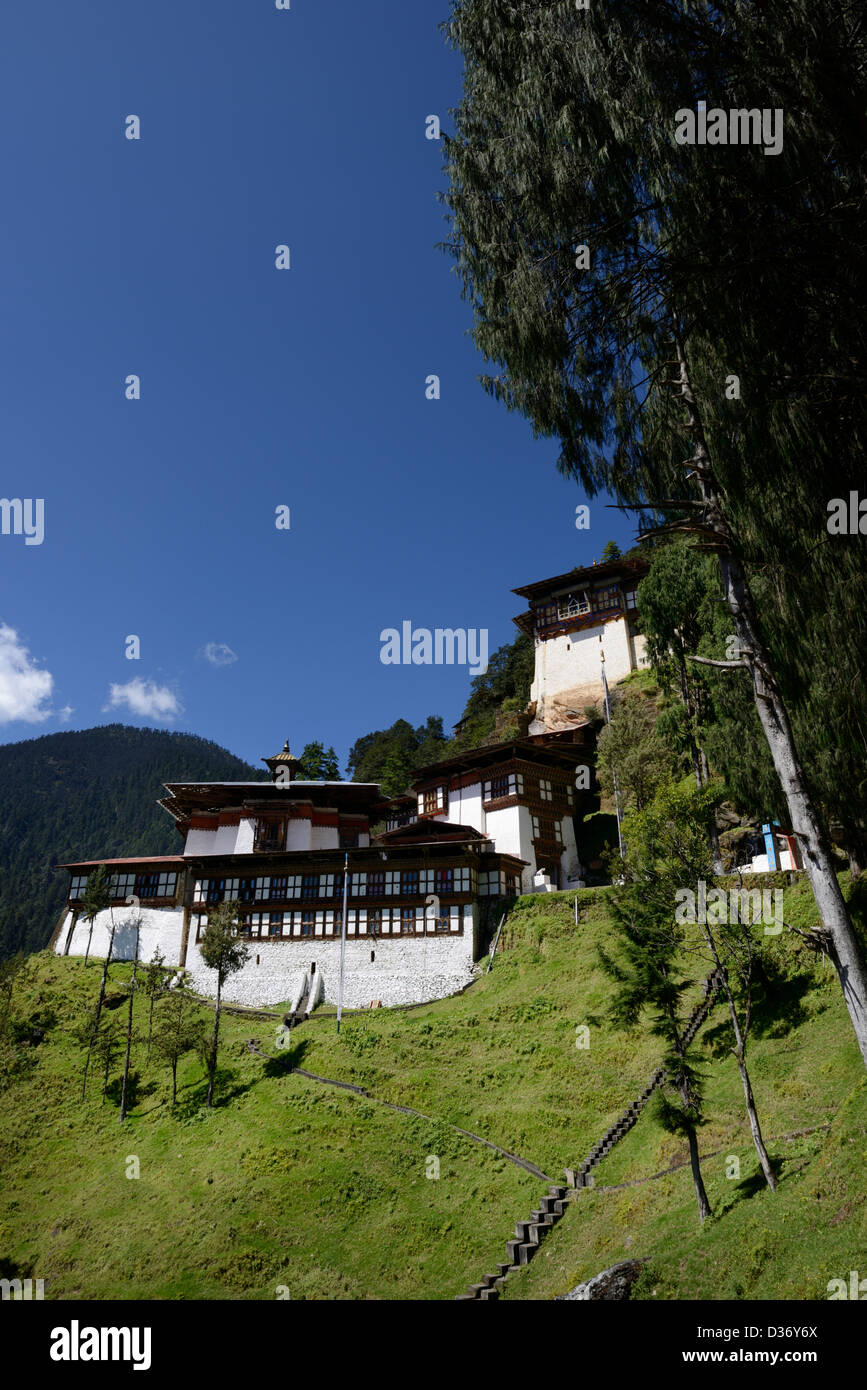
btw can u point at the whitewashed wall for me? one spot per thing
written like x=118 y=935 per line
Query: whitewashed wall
x=504 y=828
x=324 y=837
x=568 y=668
x=161 y=930
x=465 y=807
x=245 y=837
x=220 y=841
x=405 y=969
x=299 y=834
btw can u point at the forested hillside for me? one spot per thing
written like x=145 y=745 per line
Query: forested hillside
x=492 y=713
x=83 y=795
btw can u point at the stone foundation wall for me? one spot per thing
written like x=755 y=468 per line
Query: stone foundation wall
x=404 y=969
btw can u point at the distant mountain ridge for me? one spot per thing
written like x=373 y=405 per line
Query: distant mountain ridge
x=88 y=794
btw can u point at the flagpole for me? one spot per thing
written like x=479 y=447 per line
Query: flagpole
x=342 y=939
x=613 y=772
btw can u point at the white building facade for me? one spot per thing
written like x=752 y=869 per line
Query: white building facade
x=576 y=621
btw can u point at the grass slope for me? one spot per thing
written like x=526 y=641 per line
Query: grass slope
x=289 y=1182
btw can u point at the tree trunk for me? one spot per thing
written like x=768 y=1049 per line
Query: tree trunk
x=89 y=938
x=212 y=1065
x=813 y=843
x=99 y=1003
x=755 y=1127
x=701 y=1195
x=128 y=1033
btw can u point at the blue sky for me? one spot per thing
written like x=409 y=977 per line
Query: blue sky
x=260 y=387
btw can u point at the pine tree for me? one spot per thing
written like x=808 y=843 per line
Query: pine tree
x=222 y=951
x=607 y=264
x=97 y=898
x=180 y=1029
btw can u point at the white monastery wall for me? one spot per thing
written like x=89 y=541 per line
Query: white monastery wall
x=161 y=930
x=324 y=837
x=567 y=671
x=200 y=842
x=404 y=970
x=465 y=807
x=504 y=828
x=245 y=837
x=299 y=834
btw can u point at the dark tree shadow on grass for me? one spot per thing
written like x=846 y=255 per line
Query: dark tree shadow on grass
x=286 y=1060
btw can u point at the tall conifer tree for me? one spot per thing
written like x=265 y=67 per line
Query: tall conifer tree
x=628 y=287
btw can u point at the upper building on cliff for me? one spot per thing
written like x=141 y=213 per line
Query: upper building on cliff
x=576 y=620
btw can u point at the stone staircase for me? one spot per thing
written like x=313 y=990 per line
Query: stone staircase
x=528 y=1237
x=622 y=1125
x=530 y=1234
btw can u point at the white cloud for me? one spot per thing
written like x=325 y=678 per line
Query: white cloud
x=65 y=714
x=219 y=654
x=146 y=699
x=24 y=688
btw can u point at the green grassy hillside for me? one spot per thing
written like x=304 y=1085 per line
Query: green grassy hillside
x=291 y=1182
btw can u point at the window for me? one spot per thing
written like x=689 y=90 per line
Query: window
x=443 y=922
x=433 y=800
x=409 y=882
x=544 y=789
x=545 y=829
x=348 y=839
x=270 y=834
x=632 y=598
x=308 y=920
x=374 y=920
x=573 y=605
x=504 y=784
x=156 y=885
x=444 y=882
x=246 y=890
x=605 y=599
x=331 y=885
x=407 y=921
x=245 y=927
x=275 y=923
x=309 y=887
x=376 y=883
x=77 y=885
x=546 y=615
x=122 y=885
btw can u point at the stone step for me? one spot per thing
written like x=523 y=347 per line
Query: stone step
x=503 y=1267
x=489 y=1295
x=540 y=1231
x=521 y=1229
x=488 y=1279
x=526 y=1253
x=560 y=1207
x=512 y=1248
x=464 y=1297
x=558 y=1192
x=477 y=1289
